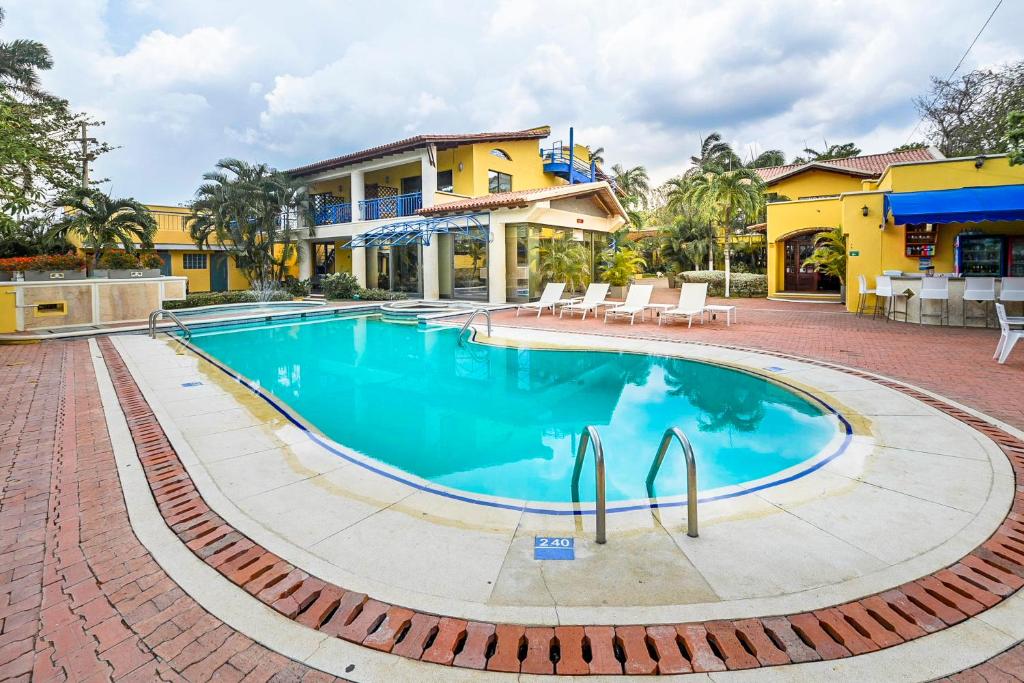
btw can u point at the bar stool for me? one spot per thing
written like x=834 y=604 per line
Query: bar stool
x=1007 y=338
x=1012 y=289
x=862 y=286
x=885 y=296
x=981 y=290
x=934 y=289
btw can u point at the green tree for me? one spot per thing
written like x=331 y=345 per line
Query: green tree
x=714 y=155
x=687 y=244
x=102 y=222
x=680 y=203
x=620 y=265
x=969 y=115
x=564 y=260
x=596 y=154
x=769 y=157
x=842 y=151
x=724 y=198
x=31 y=236
x=634 y=188
x=21 y=61
x=909 y=146
x=1015 y=137
x=249 y=210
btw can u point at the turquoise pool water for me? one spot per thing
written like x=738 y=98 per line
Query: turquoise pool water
x=505 y=421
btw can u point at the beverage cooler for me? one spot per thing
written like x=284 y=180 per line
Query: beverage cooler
x=1015 y=257
x=984 y=255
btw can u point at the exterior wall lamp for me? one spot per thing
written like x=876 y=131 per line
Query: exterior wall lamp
x=864 y=211
x=979 y=161
x=461 y=167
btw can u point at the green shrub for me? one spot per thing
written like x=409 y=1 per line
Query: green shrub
x=743 y=285
x=242 y=296
x=378 y=295
x=339 y=286
x=118 y=260
x=296 y=287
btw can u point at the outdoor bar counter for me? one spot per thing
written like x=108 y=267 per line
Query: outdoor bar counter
x=956 y=303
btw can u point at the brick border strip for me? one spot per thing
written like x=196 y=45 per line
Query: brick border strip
x=981 y=579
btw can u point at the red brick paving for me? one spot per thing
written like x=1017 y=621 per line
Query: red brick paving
x=80 y=598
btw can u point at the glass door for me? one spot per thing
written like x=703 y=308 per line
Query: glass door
x=405 y=274
x=469 y=265
x=1015 y=263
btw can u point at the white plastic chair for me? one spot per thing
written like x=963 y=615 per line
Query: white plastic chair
x=933 y=289
x=885 y=299
x=692 y=297
x=981 y=290
x=593 y=299
x=549 y=298
x=1007 y=337
x=862 y=286
x=1011 y=289
x=636 y=301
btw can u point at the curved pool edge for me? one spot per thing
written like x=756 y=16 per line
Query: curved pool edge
x=806 y=467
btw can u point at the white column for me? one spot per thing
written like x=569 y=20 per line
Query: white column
x=359 y=265
x=372 y=271
x=496 y=275
x=428 y=179
x=358 y=188
x=305 y=259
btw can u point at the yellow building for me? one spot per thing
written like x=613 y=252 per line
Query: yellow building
x=872 y=198
x=458 y=216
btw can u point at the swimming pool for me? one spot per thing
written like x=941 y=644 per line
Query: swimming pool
x=502 y=421
x=255 y=307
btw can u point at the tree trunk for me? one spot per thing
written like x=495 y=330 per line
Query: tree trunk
x=727 y=264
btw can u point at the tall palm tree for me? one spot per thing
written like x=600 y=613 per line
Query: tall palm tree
x=246 y=210
x=687 y=243
x=723 y=197
x=563 y=260
x=20 y=60
x=103 y=222
x=634 y=188
x=769 y=157
x=677 y=196
x=596 y=154
x=843 y=151
x=714 y=155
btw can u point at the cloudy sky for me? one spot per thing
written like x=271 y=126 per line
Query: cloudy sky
x=183 y=83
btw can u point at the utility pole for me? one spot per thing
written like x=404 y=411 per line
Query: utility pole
x=86 y=155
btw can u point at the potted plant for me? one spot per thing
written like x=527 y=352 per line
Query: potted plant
x=829 y=257
x=45 y=267
x=10 y=266
x=120 y=265
x=620 y=267
x=151 y=264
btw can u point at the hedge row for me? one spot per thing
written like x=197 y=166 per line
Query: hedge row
x=216 y=298
x=743 y=285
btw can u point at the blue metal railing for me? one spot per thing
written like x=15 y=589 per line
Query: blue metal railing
x=557 y=158
x=328 y=214
x=391 y=207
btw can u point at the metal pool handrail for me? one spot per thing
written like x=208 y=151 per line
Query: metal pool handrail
x=472 y=316
x=590 y=436
x=177 y=321
x=691 y=475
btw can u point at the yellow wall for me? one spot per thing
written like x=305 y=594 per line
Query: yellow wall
x=946 y=175
x=815 y=183
x=789 y=218
x=8 y=310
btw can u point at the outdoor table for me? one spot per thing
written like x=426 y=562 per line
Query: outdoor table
x=659 y=308
x=730 y=312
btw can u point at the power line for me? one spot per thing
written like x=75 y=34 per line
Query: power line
x=960 y=63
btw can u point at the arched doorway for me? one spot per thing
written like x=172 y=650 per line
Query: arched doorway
x=798 y=275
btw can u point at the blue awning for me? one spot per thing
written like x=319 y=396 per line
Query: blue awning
x=472 y=226
x=965 y=205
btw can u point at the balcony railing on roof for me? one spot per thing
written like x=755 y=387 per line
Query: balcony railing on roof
x=328 y=213
x=391 y=207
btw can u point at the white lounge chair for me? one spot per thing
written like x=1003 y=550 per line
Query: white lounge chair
x=592 y=300
x=549 y=298
x=1007 y=337
x=637 y=299
x=692 y=297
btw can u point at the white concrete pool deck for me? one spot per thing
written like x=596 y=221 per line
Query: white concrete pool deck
x=915 y=491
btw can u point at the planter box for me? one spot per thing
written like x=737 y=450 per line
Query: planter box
x=6 y=276
x=98 y=273
x=46 y=275
x=617 y=292
x=133 y=273
x=658 y=282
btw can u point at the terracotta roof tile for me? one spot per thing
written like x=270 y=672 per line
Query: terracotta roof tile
x=868 y=165
x=441 y=139
x=523 y=197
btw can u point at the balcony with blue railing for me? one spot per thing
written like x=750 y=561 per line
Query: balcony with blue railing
x=391 y=207
x=329 y=213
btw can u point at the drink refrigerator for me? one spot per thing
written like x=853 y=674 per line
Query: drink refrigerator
x=980 y=255
x=1015 y=257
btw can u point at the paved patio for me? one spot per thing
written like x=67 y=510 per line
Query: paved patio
x=81 y=598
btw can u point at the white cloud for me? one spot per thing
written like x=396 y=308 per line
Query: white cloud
x=159 y=60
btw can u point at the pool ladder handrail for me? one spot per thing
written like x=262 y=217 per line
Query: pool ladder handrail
x=155 y=315
x=691 y=475
x=469 y=321
x=589 y=436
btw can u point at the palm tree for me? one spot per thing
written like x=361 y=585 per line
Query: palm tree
x=103 y=222
x=687 y=243
x=769 y=157
x=677 y=196
x=620 y=265
x=634 y=187
x=20 y=60
x=714 y=155
x=596 y=155
x=247 y=210
x=829 y=256
x=563 y=260
x=843 y=151
x=724 y=196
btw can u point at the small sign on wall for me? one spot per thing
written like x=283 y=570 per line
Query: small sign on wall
x=554 y=548
x=924 y=264
x=854 y=253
